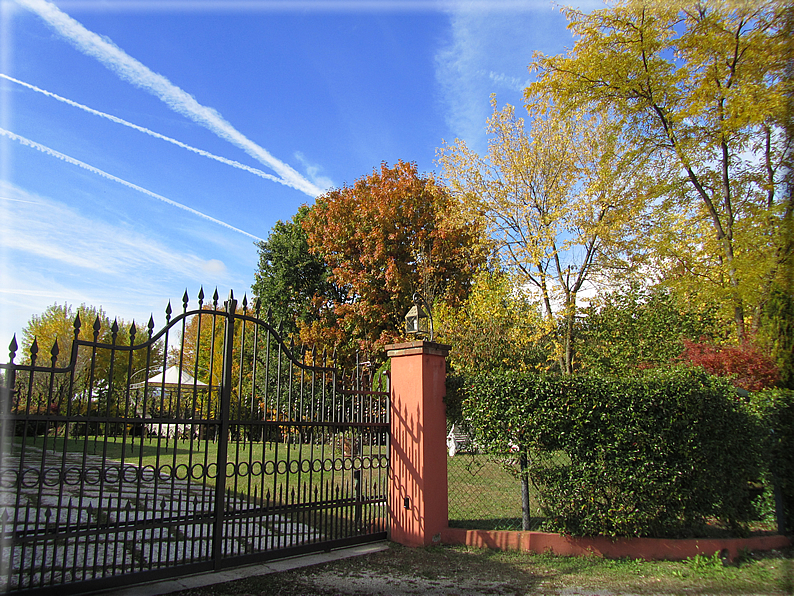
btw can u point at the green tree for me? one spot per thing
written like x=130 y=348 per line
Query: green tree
x=384 y=238
x=289 y=275
x=701 y=87
x=637 y=328
x=779 y=332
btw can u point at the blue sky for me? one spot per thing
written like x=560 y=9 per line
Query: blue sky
x=146 y=145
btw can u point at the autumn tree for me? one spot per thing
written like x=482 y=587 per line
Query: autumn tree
x=385 y=237
x=558 y=197
x=701 y=90
x=746 y=365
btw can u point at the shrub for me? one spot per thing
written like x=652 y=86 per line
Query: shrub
x=651 y=455
x=746 y=365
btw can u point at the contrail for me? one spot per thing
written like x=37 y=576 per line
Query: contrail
x=129 y=69
x=90 y=168
x=142 y=129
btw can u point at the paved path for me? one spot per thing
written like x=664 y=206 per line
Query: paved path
x=112 y=497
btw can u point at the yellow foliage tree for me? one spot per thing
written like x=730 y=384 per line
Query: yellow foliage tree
x=499 y=326
x=559 y=200
x=702 y=90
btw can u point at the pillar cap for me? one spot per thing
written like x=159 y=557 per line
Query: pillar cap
x=417 y=347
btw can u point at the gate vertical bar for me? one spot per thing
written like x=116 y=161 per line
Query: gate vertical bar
x=224 y=413
x=7 y=427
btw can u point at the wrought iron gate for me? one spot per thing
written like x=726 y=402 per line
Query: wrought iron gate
x=206 y=445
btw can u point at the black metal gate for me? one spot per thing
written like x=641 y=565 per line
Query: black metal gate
x=206 y=445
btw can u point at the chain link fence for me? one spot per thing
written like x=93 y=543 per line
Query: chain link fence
x=485 y=490
x=485 y=493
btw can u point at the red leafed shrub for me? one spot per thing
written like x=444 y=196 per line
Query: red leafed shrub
x=750 y=368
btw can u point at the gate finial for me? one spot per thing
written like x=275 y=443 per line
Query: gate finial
x=12 y=349
x=34 y=351
x=54 y=352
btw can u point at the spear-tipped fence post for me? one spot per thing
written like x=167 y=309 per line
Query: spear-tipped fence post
x=226 y=392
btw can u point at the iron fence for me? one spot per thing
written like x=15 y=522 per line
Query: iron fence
x=206 y=445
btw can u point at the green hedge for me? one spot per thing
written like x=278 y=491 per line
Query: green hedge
x=652 y=455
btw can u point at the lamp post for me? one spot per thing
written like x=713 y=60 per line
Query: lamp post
x=419 y=320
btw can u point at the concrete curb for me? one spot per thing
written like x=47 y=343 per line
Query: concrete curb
x=649 y=549
x=208 y=579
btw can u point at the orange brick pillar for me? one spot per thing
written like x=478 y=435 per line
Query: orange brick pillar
x=418 y=453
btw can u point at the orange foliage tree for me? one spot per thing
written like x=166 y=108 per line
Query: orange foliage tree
x=384 y=238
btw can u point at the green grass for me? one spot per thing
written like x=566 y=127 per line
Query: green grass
x=483 y=495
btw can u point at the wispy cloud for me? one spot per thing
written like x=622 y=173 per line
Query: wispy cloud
x=487 y=51
x=54 y=231
x=56 y=254
x=301 y=5
x=81 y=164
x=129 y=69
x=501 y=79
x=459 y=73
x=313 y=171
x=157 y=135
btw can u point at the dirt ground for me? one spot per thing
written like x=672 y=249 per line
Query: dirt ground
x=442 y=571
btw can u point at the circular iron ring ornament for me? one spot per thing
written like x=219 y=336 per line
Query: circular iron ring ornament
x=164 y=475
x=211 y=472
x=111 y=475
x=49 y=480
x=181 y=472
x=72 y=476
x=29 y=472
x=135 y=474
x=8 y=478
x=148 y=473
x=200 y=468
x=92 y=475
